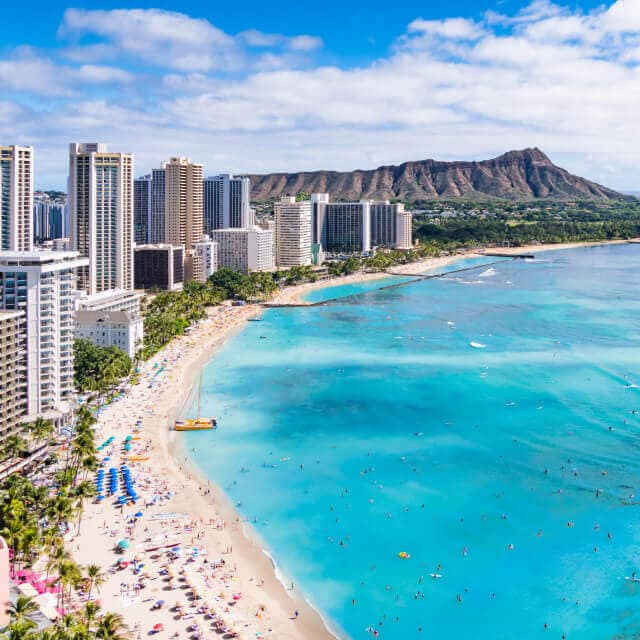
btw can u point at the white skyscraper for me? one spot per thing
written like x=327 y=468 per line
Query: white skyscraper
x=293 y=232
x=16 y=198
x=41 y=284
x=245 y=250
x=100 y=186
x=226 y=202
x=205 y=258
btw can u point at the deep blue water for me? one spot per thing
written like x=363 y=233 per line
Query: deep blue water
x=370 y=426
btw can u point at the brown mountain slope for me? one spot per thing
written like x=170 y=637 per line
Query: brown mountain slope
x=519 y=175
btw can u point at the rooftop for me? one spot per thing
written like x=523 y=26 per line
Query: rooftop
x=91 y=317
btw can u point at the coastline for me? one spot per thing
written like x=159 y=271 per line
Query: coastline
x=267 y=604
x=295 y=295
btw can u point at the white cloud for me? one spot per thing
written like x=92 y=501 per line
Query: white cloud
x=169 y=39
x=33 y=74
x=160 y=38
x=98 y=73
x=454 y=28
x=304 y=43
x=566 y=81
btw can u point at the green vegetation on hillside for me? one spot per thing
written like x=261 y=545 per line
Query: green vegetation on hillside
x=451 y=225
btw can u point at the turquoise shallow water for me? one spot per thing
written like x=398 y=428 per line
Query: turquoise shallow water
x=356 y=430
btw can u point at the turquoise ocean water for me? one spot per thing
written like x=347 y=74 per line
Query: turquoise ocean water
x=353 y=431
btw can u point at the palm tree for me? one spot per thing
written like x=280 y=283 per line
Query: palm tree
x=57 y=555
x=91 y=610
x=15 y=446
x=60 y=508
x=40 y=429
x=112 y=627
x=69 y=627
x=22 y=608
x=81 y=492
x=95 y=577
x=21 y=630
x=29 y=541
x=68 y=576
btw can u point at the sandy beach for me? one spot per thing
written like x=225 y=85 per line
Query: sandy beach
x=228 y=569
x=221 y=579
x=294 y=295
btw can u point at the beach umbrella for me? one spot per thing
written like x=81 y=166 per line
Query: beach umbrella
x=123 y=544
x=158 y=626
x=138 y=514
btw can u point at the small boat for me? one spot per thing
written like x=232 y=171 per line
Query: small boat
x=199 y=423
x=258 y=319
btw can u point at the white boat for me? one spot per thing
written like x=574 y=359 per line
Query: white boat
x=477 y=345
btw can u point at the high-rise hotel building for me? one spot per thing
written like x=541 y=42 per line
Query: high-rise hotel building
x=16 y=198
x=293 y=232
x=156 y=227
x=100 y=187
x=13 y=372
x=245 y=250
x=183 y=202
x=390 y=225
x=41 y=284
x=226 y=203
x=142 y=209
x=344 y=227
x=183 y=207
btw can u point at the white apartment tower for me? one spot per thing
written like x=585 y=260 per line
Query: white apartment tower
x=245 y=250
x=226 y=202
x=100 y=186
x=205 y=258
x=16 y=198
x=41 y=284
x=293 y=232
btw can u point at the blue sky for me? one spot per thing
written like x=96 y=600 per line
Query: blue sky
x=249 y=87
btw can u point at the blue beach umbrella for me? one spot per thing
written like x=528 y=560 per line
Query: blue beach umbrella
x=123 y=544
x=138 y=514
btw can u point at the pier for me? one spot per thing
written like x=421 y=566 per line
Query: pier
x=415 y=277
x=517 y=256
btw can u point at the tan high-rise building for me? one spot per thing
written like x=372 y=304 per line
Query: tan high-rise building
x=16 y=198
x=293 y=232
x=183 y=207
x=13 y=372
x=100 y=186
